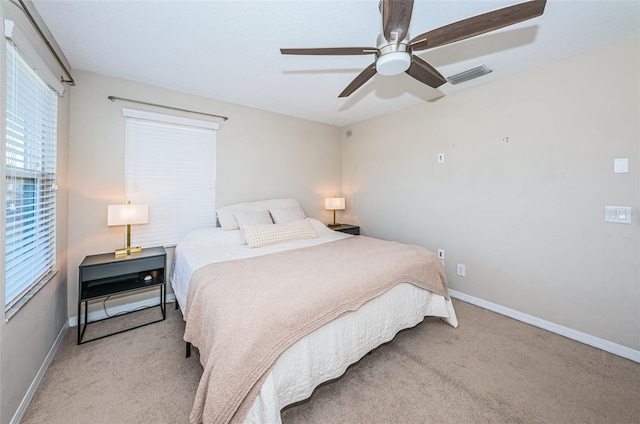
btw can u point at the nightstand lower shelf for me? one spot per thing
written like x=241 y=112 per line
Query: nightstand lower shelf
x=82 y=326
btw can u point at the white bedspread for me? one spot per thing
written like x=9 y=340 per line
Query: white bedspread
x=327 y=352
x=210 y=245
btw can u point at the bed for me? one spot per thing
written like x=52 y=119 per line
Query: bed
x=246 y=382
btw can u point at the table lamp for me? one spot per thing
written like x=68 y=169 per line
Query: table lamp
x=334 y=204
x=127 y=215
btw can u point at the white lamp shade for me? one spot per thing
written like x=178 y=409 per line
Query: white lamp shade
x=127 y=214
x=334 y=203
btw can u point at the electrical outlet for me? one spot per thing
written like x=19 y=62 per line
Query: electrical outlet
x=460 y=270
x=441 y=254
x=440 y=157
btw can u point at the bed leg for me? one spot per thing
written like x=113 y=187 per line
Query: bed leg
x=188 y=349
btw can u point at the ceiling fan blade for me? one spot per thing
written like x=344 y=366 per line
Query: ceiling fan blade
x=331 y=51
x=362 y=77
x=477 y=25
x=396 y=16
x=425 y=73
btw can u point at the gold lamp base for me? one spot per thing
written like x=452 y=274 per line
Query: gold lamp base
x=334 y=221
x=128 y=251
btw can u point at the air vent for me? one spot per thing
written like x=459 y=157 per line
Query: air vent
x=469 y=74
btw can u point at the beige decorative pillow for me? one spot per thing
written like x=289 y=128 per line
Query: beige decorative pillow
x=259 y=235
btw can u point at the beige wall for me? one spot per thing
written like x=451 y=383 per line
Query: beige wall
x=524 y=216
x=259 y=155
x=25 y=340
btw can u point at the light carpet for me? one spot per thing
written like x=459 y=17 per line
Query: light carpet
x=491 y=369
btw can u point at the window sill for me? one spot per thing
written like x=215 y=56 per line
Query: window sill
x=11 y=311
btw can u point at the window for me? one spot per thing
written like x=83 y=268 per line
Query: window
x=30 y=180
x=171 y=167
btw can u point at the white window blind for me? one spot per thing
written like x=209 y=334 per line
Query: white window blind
x=30 y=178
x=29 y=53
x=171 y=168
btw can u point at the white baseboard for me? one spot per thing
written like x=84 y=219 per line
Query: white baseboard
x=28 y=397
x=581 y=337
x=99 y=314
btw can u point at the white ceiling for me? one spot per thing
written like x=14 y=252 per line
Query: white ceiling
x=229 y=50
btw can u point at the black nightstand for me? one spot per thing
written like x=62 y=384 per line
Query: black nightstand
x=347 y=228
x=105 y=275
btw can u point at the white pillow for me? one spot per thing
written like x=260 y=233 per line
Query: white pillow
x=259 y=235
x=229 y=222
x=252 y=217
x=282 y=215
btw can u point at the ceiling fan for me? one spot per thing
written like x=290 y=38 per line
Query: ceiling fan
x=394 y=51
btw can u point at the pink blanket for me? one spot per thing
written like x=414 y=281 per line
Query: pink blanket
x=243 y=314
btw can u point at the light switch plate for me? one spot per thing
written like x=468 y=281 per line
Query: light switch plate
x=440 y=157
x=621 y=166
x=617 y=214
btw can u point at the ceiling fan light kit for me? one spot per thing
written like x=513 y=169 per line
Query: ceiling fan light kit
x=393 y=63
x=394 y=53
